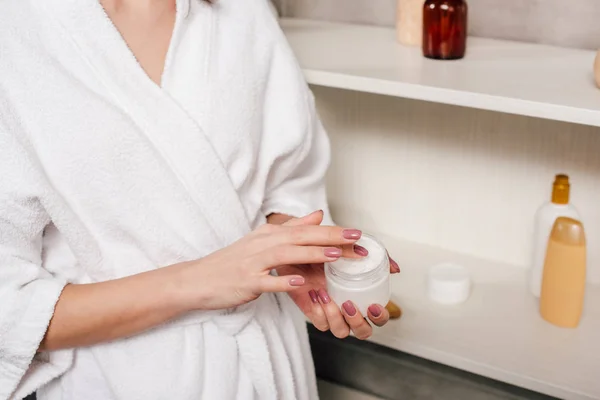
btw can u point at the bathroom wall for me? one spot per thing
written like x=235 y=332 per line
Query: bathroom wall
x=466 y=180
x=461 y=179
x=572 y=23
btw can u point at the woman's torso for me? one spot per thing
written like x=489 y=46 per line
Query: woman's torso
x=136 y=177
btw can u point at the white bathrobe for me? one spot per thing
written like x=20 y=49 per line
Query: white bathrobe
x=103 y=174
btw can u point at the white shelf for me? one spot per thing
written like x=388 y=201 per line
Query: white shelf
x=498 y=332
x=518 y=78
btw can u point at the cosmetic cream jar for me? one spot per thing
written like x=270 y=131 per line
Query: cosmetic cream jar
x=364 y=281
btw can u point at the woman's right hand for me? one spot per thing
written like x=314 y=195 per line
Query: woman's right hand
x=240 y=273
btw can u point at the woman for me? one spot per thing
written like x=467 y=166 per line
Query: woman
x=153 y=154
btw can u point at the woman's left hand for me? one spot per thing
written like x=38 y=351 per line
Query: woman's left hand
x=316 y=304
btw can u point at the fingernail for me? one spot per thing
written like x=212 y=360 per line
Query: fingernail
x=333 y=252
x=324 y=296
x=297 y=281
x=361 y=251
x=395 y=265
x=313 y=296
x=349 y=308
x=351 y=234
x=375 y=310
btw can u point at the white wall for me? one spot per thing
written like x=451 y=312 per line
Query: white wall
x=461 y=179
x=572 y=23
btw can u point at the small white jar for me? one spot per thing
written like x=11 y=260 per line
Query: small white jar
x=364 y=281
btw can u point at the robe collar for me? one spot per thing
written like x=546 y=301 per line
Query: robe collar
x=179 y=140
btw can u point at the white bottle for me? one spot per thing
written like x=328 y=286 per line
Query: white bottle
x=544 y=220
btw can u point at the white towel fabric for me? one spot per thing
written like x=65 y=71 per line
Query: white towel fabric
x=104 y=175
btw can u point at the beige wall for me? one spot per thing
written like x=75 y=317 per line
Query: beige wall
x=573 y=23
x=461 y=179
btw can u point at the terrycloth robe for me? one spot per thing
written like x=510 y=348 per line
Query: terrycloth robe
x=104 y=174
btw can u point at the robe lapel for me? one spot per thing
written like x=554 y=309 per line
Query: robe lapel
x=175 y=135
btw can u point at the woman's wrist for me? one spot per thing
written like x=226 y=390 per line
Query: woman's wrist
x=180 y=294
x=197 y=285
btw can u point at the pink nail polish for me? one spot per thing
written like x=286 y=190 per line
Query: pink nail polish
x=313 y=296
x=333 y=252
x=351 y=234
x=299 y=281
x=361 y=251
x=325 y=299
x=349 y=308
x=375 y=311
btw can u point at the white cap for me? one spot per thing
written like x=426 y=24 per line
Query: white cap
x=448 y=283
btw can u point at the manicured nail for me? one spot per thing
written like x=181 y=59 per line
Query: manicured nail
x=349 y=308
x=325 y=299
x=333 y=252
x=299 y=281
x=351 y=234
x=313 y=296
x=375 y=311
x=361 y=251
x=395 y=266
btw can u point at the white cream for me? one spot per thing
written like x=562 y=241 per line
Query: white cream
x=363 y=281
x=357 y=266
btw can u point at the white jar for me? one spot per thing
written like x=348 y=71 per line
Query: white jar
x=364 y=281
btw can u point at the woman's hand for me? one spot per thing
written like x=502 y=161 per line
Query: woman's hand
x=315 y=302
x=240 y=272
x=87 y=314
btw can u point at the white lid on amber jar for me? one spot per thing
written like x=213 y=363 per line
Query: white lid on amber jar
x=448 y=284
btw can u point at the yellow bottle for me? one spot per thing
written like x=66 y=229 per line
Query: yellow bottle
x=563 y=282
x=545 y=217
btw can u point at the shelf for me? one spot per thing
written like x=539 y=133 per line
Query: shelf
x=498 y=332
x=518 y=78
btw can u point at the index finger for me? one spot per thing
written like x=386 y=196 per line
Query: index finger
x=310 y=235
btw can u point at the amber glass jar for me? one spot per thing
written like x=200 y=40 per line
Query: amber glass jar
x=445 y=29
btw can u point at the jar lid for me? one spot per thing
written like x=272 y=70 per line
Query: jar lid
x=448 y=283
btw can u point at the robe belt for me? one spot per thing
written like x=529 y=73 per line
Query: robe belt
x=252 y=344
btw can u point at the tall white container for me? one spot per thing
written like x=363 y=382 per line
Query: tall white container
x=545 y=217
x=409 y=22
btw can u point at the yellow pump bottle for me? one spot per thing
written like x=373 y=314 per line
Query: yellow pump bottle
x=563 y=282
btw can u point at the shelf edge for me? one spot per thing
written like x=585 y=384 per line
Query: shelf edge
x=472 y=100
